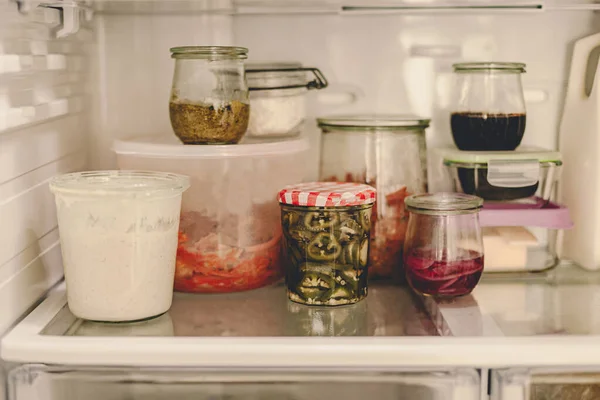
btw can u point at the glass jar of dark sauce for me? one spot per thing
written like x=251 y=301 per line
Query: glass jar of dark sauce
x=489 y=112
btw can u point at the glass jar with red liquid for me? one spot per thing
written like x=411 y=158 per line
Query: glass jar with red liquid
x=443 y=252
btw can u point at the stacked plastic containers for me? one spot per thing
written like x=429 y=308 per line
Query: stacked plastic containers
x=516 y=182
x=237 y=135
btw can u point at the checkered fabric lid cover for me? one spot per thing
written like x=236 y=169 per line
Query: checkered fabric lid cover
x=327 y=194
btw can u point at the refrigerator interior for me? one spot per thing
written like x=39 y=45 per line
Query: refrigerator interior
x=66 y=99
x=73 y=81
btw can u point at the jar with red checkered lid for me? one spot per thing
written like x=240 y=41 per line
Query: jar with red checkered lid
x=326 y=229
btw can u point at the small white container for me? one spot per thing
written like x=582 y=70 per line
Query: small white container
x=118 y=233
x=278 y=98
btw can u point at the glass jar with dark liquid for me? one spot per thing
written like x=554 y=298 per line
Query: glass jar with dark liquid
x=489 y=113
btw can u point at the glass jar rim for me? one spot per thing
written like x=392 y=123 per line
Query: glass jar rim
x=489 y=66
x=120 y=183
x=209 y=52
x=373 y=122
x=443 y=203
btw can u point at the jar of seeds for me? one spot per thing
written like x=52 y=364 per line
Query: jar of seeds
x=209 y=99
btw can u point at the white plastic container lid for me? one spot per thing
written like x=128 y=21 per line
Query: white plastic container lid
x=455 y=156
x=168 y=146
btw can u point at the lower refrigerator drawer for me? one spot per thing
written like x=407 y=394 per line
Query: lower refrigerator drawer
x=546 y=384
x=38 y=382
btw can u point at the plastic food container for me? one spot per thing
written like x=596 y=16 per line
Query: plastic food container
x=505 y=176
x=326 y=226
x=388 y=153
x=443 y=252
x=278 y=97
x=230 y=232
x=118 y=234
x=518 y=238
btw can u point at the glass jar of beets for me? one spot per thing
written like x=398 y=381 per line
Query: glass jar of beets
x=489 y=111
x=443 y=252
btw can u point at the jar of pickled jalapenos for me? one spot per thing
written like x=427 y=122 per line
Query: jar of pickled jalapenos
x=326 y=230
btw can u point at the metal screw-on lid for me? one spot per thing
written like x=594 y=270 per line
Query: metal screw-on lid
x=443 y=203
x=328 y=194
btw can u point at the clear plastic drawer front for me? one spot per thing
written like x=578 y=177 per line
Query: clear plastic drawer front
x=34 y=382
x=546 y=384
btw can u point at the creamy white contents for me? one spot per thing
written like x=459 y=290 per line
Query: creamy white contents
x=118 y=254
x=272 y=115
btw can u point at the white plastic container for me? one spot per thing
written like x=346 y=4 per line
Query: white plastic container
x=278 y=93
x=118 y=233
x=230 y=233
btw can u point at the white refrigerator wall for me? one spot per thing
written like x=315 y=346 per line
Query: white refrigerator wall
x=394 y=63
x=43 y=132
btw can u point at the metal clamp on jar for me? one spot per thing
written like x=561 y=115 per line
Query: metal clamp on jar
x=278 y=97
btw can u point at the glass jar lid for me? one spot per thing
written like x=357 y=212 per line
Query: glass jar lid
x=443 y=203
x=210 y=52
x=493 y=66
x=120 y=183
x=373 y=122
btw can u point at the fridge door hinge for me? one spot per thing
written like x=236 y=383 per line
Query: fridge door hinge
x=71 y=13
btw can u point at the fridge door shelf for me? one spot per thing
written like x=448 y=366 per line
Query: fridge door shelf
x=547 y=319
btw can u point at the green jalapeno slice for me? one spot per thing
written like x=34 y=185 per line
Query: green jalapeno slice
x=324 y=247
x=318 y=221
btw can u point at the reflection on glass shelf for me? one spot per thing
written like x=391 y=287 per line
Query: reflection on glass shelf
x=387 y=311
x=563 y=301
x=559 y=302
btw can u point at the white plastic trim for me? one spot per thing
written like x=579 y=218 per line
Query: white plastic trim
x=25 y=344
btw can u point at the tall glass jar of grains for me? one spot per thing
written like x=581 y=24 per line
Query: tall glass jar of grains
x=209 y=100
x=388 y=153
